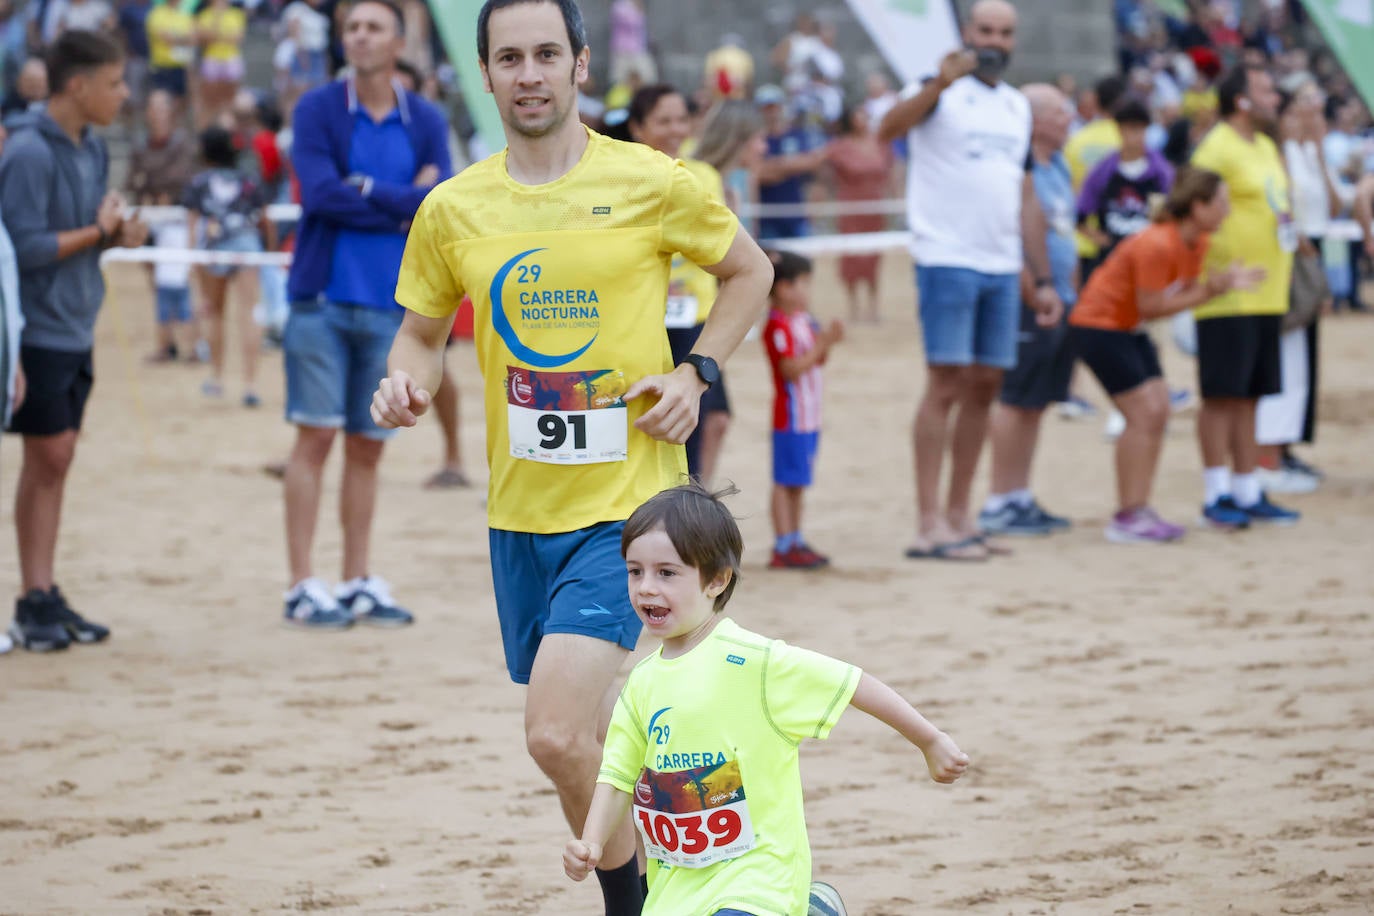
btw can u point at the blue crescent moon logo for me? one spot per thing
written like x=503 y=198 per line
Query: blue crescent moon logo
x=507 y=332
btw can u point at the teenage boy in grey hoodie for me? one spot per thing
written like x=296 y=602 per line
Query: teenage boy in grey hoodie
x=54 y=203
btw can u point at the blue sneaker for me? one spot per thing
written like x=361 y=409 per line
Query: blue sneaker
x=1225 y=515
x=1011 y=519
x=1048 y=519
x=825 y=901
x=311 y=606
x=369 y=601
x=1266 y=513
x=38 y=623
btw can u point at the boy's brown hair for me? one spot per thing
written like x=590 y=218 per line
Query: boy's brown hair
x=703 y=532
x=787 y=267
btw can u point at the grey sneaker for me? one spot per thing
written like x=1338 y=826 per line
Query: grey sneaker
x=1014 y=520
x=38 y=623
x=369 y=601
x=825 y=901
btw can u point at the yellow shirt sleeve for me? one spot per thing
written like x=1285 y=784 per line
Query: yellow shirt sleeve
x=806 y=692
x=693 y=223
x=427 y=284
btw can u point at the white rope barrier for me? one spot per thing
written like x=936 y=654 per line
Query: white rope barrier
x=148 y=255
x=1339 y=230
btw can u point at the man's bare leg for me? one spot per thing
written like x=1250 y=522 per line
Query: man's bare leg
x=929 y=436
x=38 y=505
x=977 y=392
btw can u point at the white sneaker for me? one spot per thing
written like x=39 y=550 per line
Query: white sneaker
x=1116 y=425
x=1286 y=480
x=6 y=644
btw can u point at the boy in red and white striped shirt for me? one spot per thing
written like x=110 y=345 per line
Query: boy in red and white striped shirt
x=797 y=346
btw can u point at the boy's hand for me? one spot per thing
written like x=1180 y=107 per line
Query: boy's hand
x=133 y=232
x=427 y=176
x=835 y=332
x=580 y=858
x=946 y=762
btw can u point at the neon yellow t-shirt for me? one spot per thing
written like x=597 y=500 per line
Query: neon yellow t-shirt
x=706 y=746
x=228 y=27
x=169 y=19
x=1092 y=143
x=1260 y=230
x=569 y=284
x=691 y=290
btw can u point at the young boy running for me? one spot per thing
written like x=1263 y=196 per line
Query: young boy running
x=797 y=347
x=704 y=738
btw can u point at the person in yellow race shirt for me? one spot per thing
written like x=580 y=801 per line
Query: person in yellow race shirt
x=1238 y=332
x=1088 y=146
x=564 y=242
x=171 y=48
x=703 y=744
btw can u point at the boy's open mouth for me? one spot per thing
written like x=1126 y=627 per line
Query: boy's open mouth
x=654 y=612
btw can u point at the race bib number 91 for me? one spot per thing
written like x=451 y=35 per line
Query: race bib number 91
x=567 y=417
x=693 y=818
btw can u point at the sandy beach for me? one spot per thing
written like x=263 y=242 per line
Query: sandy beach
x=1185 y=729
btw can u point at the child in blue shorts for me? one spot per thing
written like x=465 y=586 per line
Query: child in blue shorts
x=702 y=747
x=797 y=347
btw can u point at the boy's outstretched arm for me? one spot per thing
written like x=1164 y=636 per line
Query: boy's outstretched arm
x=608 y=810
x=946 y=762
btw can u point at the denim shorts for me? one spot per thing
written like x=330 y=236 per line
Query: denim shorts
x=173 y=304
x=560 y=583
x=335 y=356
x=968 y=317
x=246 y=242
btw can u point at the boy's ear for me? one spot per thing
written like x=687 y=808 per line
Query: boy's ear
x=718 y=584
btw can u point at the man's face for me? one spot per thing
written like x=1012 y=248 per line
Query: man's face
x=992 y=24
x=1052 y=121
x=531 y=70
x=1264 y=98
x=371 y=39
x=33 y=81
x=100 y=93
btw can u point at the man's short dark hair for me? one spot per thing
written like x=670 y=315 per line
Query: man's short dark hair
x=1109 y=91
x=395 y=11
x=412 y=72
x=1132 y=111
x=572 y=18
x=1232 y=86
x=78 y=51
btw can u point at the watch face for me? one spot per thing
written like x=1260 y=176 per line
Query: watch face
x=706 y=368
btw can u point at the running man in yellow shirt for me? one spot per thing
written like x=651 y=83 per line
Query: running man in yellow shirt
x=564 y=243
x=1238 y=332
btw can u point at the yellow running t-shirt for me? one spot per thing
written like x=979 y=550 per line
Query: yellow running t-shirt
x=1260 y=231
x=691 y=290
x=706 y=746
x=164 y=21
x=568 y=282
x=227 y=26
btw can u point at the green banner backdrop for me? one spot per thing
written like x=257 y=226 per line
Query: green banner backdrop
x=456 y=21
x=1348 y=26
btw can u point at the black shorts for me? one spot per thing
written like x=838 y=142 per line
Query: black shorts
x=1238 y=356
x=1121 y=360
x=1044 y=365
x=169 y=79
x=59 y=383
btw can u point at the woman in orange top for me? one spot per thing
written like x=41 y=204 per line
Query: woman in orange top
x=1153 y=274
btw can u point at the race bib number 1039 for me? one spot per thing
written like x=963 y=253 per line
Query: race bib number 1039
x=693 y=818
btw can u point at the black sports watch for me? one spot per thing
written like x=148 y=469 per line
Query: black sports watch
x=706 y=367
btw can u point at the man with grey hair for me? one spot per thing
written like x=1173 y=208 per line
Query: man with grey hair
x=972 y=211
x=1044 y=362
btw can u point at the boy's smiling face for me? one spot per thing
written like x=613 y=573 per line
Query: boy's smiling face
x=668 y=595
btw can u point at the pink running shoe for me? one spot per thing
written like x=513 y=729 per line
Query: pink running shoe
x=1142 y=526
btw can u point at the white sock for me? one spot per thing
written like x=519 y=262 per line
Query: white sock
x=1217 y=482
x=1247 y=488
x=1022 y=498
x=996 y=502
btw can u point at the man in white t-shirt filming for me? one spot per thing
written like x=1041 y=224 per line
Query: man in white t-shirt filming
x=970 y=206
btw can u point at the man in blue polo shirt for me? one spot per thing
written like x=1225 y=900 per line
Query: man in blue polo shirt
x=365 y=152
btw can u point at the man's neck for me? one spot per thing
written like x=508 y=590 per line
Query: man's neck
x=540 y=160
x=1241 y=124
x=68 y=117
x=375 y=92
x=1043 y=152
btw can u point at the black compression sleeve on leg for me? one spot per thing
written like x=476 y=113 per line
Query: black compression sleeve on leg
x=621 y=889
